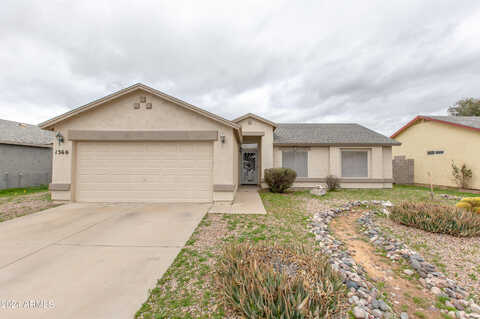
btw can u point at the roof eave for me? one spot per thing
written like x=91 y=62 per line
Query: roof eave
x=27 y=144
x=427 y=118
x=256 y=117
x=306 y=144
x=50 y=123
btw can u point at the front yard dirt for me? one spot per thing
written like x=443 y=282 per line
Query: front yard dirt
x=406 y=295
x=457 y=258
x=188 y=290
x=13 y=206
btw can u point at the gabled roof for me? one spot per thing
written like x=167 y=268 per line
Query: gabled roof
x=467 y=122
x=139 y=86
x=329 y=134
x=256 y=117
x=24 y=134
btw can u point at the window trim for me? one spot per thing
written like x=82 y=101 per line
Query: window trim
x=293 y=150
x=363 y=150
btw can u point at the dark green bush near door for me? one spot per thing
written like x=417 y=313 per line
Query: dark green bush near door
x=279 y=179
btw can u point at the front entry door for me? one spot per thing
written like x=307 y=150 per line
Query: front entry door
x=249 y=166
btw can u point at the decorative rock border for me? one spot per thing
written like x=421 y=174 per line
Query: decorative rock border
x=430 y=277
x=448 y=196
x=363 y=295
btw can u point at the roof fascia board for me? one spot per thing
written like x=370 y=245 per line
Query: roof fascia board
x=26 y=144
x=283 y=144
x=49 y=123
x=256 y=117
x=426 y=118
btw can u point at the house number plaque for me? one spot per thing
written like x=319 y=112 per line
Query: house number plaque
x=61 y=152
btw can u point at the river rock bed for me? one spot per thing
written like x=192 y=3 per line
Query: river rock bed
x=363 y=295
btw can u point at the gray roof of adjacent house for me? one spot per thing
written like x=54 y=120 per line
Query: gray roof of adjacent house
x=24 y=134
x=470 y=121
x=329 y=134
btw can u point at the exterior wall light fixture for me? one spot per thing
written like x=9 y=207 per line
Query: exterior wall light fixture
x=60 y=138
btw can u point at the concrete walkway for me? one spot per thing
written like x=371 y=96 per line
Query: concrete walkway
x=81 y=261
x=247 y=201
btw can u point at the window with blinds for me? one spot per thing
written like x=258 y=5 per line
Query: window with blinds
x=296 y=160
x=354 y=163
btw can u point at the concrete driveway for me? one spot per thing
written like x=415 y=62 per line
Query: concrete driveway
x=89 y=260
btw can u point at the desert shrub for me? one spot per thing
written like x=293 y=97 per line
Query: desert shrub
x=279 y=179
x=436 y=218
x=461 y=175
x=332 y=182
x=261 y=281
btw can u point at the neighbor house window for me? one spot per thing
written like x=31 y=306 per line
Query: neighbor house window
x=296 y=160
x=354 y=163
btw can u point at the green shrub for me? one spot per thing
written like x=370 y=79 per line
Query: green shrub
x=279 y=179
x=269 y=282
x=436 y=218
x=332 y=182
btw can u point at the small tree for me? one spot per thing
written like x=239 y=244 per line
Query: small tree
x=279 y=179
x=465 y=107
x=462 y=175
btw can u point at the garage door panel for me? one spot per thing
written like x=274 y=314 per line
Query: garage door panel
x=142 y=196
x=144 y=187
x=85 y=163
x=144 y=171
x=169 y=177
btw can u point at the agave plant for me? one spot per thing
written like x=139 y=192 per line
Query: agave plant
x=265 y=281
x=436 y=218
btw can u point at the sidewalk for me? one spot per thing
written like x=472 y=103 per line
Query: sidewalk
x=247 y=201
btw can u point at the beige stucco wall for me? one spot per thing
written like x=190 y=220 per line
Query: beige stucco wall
x=324 y=161
x=266 y=156
x=164 y=115
x=459 y=145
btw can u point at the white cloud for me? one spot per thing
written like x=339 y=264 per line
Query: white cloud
x=378 y=63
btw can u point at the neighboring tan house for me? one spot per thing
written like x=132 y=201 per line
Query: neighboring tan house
x=140 y=144
x=25 y=155
x=434 y=142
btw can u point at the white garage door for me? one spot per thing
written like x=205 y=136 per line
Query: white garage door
x=144 y=172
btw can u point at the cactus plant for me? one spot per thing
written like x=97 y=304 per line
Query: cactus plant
x=470 y=203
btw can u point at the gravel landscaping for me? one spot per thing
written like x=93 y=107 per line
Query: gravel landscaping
x=390 y=271
x=365 y=298
x=188 y=288
x=23 y=202
x=457 y=258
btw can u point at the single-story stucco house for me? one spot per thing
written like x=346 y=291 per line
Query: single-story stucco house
x=139 y=144
x=25 y=155
x=434 y=142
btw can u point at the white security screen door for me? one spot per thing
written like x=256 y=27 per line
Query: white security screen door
x=249 y=167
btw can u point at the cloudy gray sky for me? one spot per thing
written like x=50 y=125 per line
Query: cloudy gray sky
x=378 y=63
